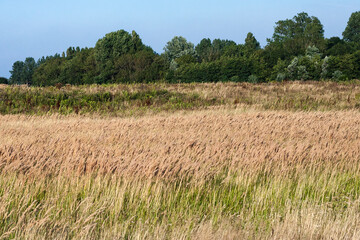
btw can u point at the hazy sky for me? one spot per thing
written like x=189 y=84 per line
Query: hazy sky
x=44 y=27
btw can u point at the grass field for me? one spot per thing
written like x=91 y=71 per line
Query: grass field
x=145 y=99
x=240 y=161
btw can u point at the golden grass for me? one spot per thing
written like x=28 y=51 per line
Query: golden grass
x=197 y=145
x=220 y=173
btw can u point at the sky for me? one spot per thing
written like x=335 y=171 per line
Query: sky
x=39 y=28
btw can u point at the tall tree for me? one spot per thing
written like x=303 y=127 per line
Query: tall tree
x=296 y=34
x=178 y=47
x=29 y=68
x=48 y=73
x=210 y=51
x=352 y=30
x=251 y=44
x=3 y=80
x=113 y=46
x=203 y=49
x=17 y=73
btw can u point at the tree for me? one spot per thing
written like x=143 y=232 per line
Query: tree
x=178 y=47
x=203 y=49
x=143 y=66
x=49 y=72
x=3 y=80
x=312 y=51
x=29 y=68
x=79 y=69
x=335 y=46
x=352 y=30
x=22 y=72
x=251 y=44
x=17 y=73
x=115 y=44
x=211 y=51
x=296 y=34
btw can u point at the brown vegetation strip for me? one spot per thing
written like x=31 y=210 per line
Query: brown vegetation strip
x=198 y=144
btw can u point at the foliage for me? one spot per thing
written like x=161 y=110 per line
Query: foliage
x=116 y=44
x=338 y=76
x=292 y=36
x=49 y=72
x=17 y=73
x=177 y=48
x=210 y=51
x=22 y=72
x=4 y=80
x=251 y=44
x=352 y=30
x=296 y=51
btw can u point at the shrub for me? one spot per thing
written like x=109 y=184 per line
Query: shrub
x=3 y=80
x=338 y=76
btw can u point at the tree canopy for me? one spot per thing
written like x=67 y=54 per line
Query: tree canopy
x=3 y=80
x=297 y=50
x=352 y=30
x=178 y=47
x=296 y=34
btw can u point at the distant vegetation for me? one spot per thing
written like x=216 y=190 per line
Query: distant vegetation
x=297 y=50
x=4 y=80
x=140 y=99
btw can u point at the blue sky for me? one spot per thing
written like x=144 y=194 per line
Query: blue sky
x=41 y=27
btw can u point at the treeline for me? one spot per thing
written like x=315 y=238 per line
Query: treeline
x=297 y=50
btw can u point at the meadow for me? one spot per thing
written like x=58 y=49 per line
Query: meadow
x=181 y=161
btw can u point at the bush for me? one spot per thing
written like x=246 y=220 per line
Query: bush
x=338 y=76
x=280 y=77
x=3 y=80
x=253 y=79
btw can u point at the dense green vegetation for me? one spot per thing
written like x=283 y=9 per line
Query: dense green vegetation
x=4 y=80
x=297 y=50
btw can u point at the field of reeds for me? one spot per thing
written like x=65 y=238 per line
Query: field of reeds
x=239 y=161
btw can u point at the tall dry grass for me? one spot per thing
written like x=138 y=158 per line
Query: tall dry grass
x=196 y=145
x=216 y=174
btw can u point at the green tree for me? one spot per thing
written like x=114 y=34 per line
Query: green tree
x=29 y=68
x=211 y=51
x=113 y=46
x=352 y=30
x=143 y=66
x=220 y=47
x=251 y=44
x=178 y=47
x=17 y=73
x=203 y=49
x=335 y=46
x=312 y=51
x=296 y=34
x=79 y=69
x=49 y=72
x=3 y=80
